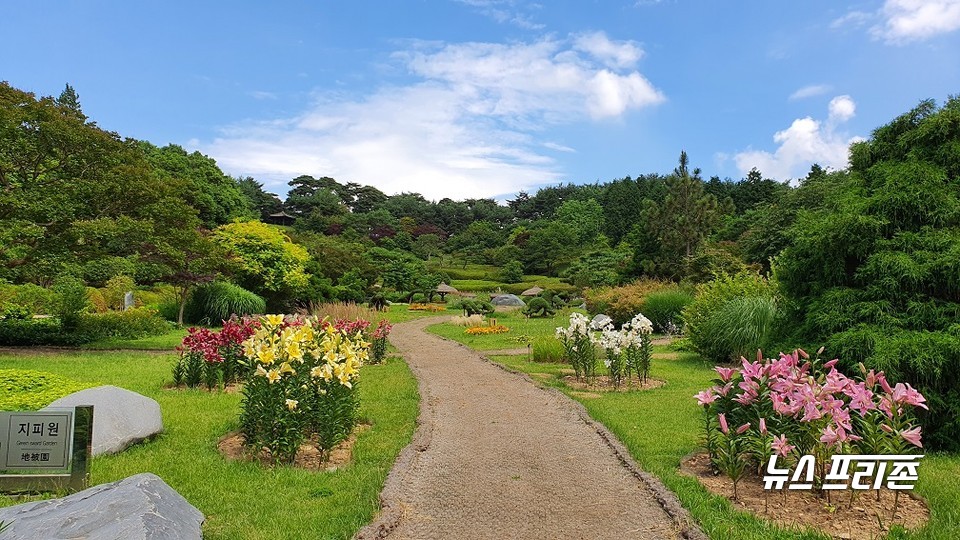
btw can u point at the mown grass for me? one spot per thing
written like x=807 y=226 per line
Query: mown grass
x=662 y=425
x=242 y=500
x=521 y=331
x=166 y=341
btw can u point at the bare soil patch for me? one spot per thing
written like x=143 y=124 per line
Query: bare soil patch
x=861 y=518
x=603 y=383
x=308 y=457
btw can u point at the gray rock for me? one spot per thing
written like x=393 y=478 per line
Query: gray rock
x=141 y=507
x=120 y=417
x=511 y=300
x=599 y=321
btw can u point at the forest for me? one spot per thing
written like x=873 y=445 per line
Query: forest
x=865 y=261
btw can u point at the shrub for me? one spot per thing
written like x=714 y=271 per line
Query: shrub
x=547 y=349
x=215 y=302
x=72 y=301
x=538 y=307
x=97 y=301
x=15 y=311
x=116 y=289
x=130 y=324
x=731 y=316
x=476 y=307
x=666 y=307
x=37 y=332
x=621 y=303
x=512 y=272
x=37 y=299
x=23 y=389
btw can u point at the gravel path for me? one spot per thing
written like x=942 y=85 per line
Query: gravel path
x=497 y=457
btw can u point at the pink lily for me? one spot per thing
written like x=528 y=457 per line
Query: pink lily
x=726 y=373
x=763 y=426
x=705 y=398
x=912 y=436
x=723 y=424
x=780 y=445
x=743 y=428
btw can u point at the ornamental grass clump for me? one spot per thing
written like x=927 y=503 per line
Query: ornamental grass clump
x=628 y=349
x=304 y=384
x=795 y=406
x=578 y=345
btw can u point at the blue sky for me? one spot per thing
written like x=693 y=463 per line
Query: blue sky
x=481 y=98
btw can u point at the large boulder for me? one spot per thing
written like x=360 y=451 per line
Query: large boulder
x=599 y=321
x=510 y=300
x=120 y=417
x=141 y=507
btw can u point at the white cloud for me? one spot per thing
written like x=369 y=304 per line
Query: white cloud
x=809 y=91
x=506 y=12
x=623 y=54
x=904 y=21
x=805 y=142
x=915 y=20
x=841 y=109
x=855 y=19
x=469 y=127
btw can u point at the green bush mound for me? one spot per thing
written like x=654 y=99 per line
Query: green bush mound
x=622 y=303
x=539 y=307
x=215 y=302
x=19 y=332
x=130 y=324
x=665 y=307
x=731 y=316
x=26 y=389
x=34 y=297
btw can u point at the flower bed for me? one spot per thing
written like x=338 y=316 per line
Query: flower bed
x=487 y=330
x=304 y=384
x=771 y=413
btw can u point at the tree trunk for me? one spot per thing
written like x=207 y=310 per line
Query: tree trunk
x=184 y=294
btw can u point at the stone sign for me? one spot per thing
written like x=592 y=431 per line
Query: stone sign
x=36 y=440
x=45 y=450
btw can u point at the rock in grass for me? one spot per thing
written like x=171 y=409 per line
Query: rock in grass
x=599 y=321
x=120 y=417
x=511 y=300
x=141 y=507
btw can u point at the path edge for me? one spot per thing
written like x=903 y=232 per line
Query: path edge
x=667 y=499
x=391 y=512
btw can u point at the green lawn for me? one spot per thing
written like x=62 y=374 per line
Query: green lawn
x=519 y=326
x=242 y=500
